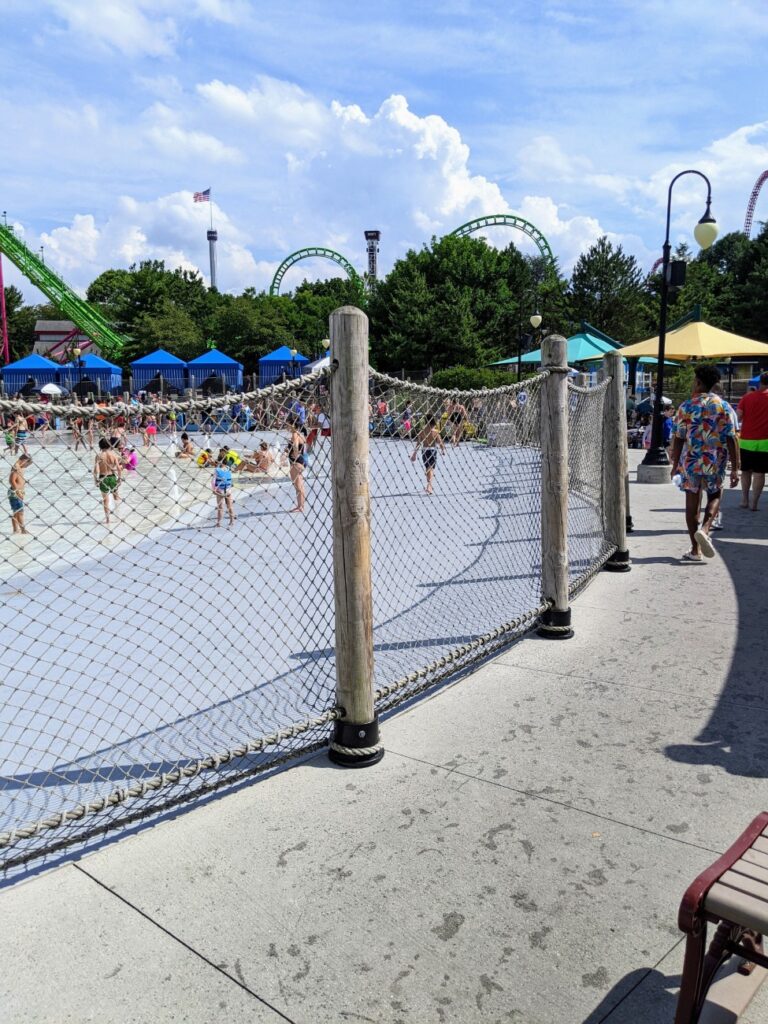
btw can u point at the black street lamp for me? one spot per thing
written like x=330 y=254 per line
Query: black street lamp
x=294 y=353
x=705 y=233
x=79 y=362
x=535 y=321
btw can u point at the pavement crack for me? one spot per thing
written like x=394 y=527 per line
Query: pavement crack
x=191 y=949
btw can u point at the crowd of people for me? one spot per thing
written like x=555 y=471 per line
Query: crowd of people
x=110 y=434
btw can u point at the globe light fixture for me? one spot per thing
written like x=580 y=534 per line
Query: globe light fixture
x=535 y=320
x=705 y=231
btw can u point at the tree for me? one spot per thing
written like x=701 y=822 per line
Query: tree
x=606 y=289
x=170 y=328
x=21 y=323
x=127 y=296
x=456 y=302
x=249 y=326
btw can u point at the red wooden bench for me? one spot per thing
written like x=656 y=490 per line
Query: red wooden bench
x=733 y=895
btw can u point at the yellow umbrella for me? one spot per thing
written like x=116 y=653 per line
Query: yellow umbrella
x=698 y=340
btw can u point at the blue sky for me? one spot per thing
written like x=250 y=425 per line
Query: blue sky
x=312 y=122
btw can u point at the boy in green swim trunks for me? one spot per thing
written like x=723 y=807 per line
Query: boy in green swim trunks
x=108 y=474
x=16 y=485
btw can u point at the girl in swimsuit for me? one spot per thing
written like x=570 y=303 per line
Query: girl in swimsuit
x=429 y=440
x=296 y=463
x=222 y=488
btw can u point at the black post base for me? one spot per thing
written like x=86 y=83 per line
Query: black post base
x=555 y=625
x=618 y=562
x=629 y=524
x=354 y=745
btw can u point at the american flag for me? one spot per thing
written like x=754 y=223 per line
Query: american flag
x=202 y=197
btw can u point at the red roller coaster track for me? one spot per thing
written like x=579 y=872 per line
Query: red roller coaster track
x=753 y=201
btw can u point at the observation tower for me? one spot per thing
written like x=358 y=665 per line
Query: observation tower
x=372 y=245
x=213 y=237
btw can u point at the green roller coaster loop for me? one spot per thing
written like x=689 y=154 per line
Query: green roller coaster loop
x=84 y=316
x=303 y=254
x=510 y=220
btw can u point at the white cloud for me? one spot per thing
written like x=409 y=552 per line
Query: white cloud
x=297 y=172
x=141 y=28
x=281 y=110
x=171 y=228
x=121 y=25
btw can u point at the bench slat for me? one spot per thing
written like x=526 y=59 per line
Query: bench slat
x=742 y=883
x=751 y=870
x=755 y=857
x=761 y=844
x=739 y=907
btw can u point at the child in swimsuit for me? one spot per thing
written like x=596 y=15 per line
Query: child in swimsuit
x=16 y=485
x=130 y=459
x=107 y=472
x=222 y=488
x=429 y=440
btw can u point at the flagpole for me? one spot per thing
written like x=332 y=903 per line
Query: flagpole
x=212 y=239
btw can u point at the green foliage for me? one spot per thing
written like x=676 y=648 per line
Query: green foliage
x=606 y=289
x=468 y=378
x=170 y=327
x=457 y=301
x=21 y=323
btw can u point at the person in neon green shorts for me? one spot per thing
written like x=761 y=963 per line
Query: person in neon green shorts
x=107 y=473
x=753 y=442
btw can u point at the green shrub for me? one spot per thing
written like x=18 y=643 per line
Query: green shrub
x=469 y=378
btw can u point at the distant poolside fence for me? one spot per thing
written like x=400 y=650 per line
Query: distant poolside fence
x=152 y=661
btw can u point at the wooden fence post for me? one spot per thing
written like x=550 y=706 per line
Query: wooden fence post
x=615 y=463
x=355 y=740
x=555 y=621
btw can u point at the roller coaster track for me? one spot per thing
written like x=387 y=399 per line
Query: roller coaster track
x=510 y=220
x=84 y=316
x=309 y=252
x=753 y=202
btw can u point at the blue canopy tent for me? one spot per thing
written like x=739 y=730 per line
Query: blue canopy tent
x=106 y=376
x=159 y=365
x=37 y=368
x=275 y=364
x=215 y=364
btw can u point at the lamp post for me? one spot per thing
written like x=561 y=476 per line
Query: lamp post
x=655 y=465
x=535 y=322
x=76 y=355
x=294 y=353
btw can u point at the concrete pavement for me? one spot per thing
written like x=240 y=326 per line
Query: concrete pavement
x=518 y=855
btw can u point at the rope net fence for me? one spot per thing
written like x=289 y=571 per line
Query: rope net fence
x=167 y=622
x=456 y=527
x=588 y=547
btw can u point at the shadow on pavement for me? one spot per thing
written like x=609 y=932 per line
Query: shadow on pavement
x=735 y=737
x=657 y=1003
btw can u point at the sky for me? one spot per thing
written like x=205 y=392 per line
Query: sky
x=312 y=122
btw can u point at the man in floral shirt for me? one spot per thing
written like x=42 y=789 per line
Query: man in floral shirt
x=704 y=438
